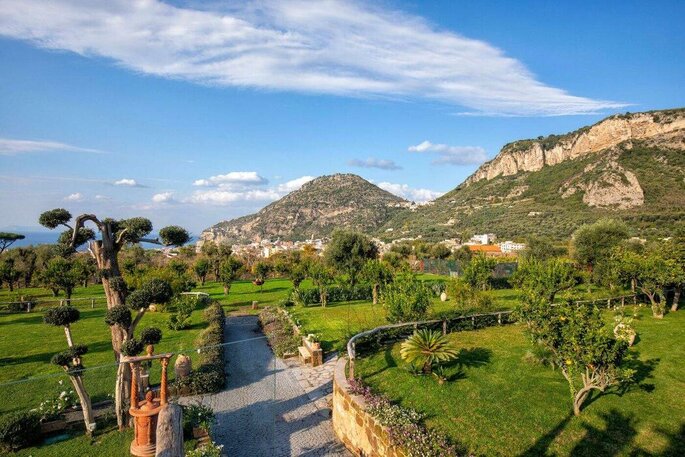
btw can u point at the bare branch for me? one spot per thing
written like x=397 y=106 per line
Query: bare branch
x=80 y=222
x=120 y=238
x=136 y=320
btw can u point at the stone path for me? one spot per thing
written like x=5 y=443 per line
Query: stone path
x=265 y=411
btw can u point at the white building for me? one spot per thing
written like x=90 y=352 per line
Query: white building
x=509 y=246
x=485 y=238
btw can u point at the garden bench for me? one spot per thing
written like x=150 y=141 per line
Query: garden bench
x=310 y=353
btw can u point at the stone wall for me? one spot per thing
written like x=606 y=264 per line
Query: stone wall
x=357 y=429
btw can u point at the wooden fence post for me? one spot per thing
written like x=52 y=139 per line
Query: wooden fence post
x=499 y=318
x=623 y=301
x=609 y=303
x=444 y=327
x=92 y=303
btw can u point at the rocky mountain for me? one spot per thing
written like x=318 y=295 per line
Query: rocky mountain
x=629 y=166
x=315 y=210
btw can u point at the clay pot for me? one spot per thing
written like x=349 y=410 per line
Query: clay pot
x=183 y=366
x=258 y=282
x=316 y=345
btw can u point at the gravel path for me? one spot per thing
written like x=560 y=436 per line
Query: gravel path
x=264 y=411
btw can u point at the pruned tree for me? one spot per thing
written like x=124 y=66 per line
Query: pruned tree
x=114 y=235
x=230 y=270
x=71 y=359
x=7 y=239
x=322 y=276
x=580 y=343
x=378 y=274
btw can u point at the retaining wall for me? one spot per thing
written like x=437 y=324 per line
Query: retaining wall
x=357 y=429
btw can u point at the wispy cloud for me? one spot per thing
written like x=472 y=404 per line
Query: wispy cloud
x=374 y=163
x=332 y=47
x=227 y=194
x=127 y=182
x=10 y=147
x=453 y=155
x=407 y=192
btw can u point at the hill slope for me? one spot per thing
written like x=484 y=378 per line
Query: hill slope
x=628 y=166
x=316 y=209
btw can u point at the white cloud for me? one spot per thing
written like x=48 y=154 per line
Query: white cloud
x=10 y=147
x=453 y=155
x=127 y=182
x=232 y=179
x=294 y=184
x=163 y=197
x=102 y=197
x=409 y=193
x=374 y=163
x=75 y=197
x=227 y=194
x=332 y=47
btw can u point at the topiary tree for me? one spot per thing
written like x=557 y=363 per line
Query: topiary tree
x=427 y=348
x=406 y=299
x=378 y=273
x=7 y=239
x=580 y=344
x=230 y=270
x=114 y=235
x=347 y=252
x=70 y=360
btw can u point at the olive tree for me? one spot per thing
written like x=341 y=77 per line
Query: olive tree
x=544 y=278
x=406 y=299
x=60 y=274
x=230 y=271
x=347 y=252
x=591 y=243
x=378 y=274
x=322 y=277
x=70 y=360
x=114 y=235
x=478 y=272
x=7 y=239
x=201 y=269
x=580 y=343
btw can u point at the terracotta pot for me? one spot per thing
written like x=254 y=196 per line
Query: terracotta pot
x=150 y=349
x=258 y=282
x=316 y=345
x=201 y=435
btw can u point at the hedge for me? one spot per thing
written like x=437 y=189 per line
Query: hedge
x=19 y=429
x=209 y=376
x=337 y=294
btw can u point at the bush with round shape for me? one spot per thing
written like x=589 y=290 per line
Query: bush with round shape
x=151 y=335
x=132 y=347
x=159 y=291
x=139 y=299
x=118 y=315
x=61 y=316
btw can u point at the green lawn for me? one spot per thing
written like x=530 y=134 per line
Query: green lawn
x=498 y=404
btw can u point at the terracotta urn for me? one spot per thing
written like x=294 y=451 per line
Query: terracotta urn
x=183 y=366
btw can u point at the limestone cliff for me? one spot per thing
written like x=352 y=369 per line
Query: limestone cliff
x=533 y=155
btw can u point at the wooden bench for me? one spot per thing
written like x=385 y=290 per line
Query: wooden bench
x=310 y=354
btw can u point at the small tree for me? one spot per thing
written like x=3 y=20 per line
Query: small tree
x=378 y=274
x=59 y=274
x=653 y=272
x=260 y=270
x=230 y=271
x=440 y=251
x=201 y=269
x=580 y=343
x=593 y=242
x=322 y=277
x=544 y=278
x=478 y=272
x=406 y=299
x=9 y=273
x=7 y=239
x=428 y=348
x=347 y=252
x=70 y=360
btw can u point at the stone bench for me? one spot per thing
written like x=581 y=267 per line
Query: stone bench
x=310 y=353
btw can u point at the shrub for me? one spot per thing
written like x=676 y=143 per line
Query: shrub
x=336 y=294
x=427 y=348
x=206 y=450
x=59 y=402
x=151 y=335
x=406 y=299
x=198 y=416
x=118 y=315
x=209 y=377
x=183 y=306
x=61 y=316
x=131 y=347
x=19 y=429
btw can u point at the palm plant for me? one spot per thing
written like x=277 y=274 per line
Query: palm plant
x=428 y=347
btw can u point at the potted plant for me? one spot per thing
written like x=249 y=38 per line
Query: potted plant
x=200 y=418
x=315 y=340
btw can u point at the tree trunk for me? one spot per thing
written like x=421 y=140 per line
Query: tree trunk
x=580 y=398
x=67 y=333
x=54 y=291
x=676 y=299
x=427 y=368
x=374 y=293
x=86 y=406
x=227 y=288
x=323 y=296
x=655 y=306
x=170 y=432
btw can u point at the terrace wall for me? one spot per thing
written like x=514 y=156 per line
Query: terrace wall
x=357 y=429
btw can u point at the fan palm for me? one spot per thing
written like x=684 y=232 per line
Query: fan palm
x=428 y=347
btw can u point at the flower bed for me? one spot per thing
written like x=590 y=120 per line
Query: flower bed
x=280 y=332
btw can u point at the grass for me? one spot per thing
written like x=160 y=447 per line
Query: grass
x=496 y=403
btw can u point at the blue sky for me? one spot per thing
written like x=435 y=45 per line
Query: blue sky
x=196 y=112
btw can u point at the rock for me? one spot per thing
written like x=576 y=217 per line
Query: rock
x=443 y=296
x=532 y=155
x=170 y=432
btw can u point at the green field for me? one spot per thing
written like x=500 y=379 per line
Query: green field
x=496 y=403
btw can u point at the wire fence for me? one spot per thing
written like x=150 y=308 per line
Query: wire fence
x=30 y=305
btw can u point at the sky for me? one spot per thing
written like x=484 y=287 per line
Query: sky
x=193 y=112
